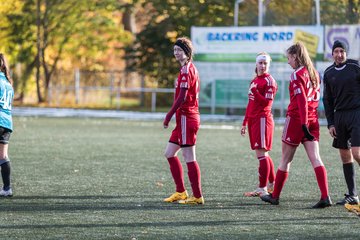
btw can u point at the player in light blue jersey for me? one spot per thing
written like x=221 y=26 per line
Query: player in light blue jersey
x=6 y=126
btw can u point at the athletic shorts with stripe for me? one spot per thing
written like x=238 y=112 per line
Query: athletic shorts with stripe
x=261 y=132
x=293 y=133
x=185 y=130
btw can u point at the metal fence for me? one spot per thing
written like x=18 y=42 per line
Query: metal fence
x=117 y=90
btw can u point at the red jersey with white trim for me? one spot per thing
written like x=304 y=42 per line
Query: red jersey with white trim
x=261 y=95
x=304 y=99
x=188 y=78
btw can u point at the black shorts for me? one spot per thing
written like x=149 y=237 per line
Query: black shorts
x=347 y=126
x=4 y=135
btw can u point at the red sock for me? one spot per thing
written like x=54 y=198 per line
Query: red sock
x=321 y=177
x=281 y=178
x=271 y=170
x=263 y=171
x=195 y=178
x=177 y=173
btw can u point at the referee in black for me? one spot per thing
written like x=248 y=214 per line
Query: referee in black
x=342 y=109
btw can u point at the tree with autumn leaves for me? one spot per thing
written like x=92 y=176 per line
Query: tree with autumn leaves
x=42 y=36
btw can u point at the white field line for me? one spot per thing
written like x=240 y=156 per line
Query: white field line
x=131 y=115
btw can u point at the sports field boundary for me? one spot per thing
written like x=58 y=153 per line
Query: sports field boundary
x=127 y=115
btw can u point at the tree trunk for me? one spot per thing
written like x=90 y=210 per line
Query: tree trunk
x=38 y=56
x=128 y=20
x=353 y=12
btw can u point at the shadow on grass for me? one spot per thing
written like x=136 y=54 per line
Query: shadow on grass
x=100 y=204
x=133 y=206
x=205 y=223
x=34 y=197
x=135 y=202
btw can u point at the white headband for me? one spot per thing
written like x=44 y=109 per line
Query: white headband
x=264 y=57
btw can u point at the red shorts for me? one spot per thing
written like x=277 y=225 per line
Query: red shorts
x=185 y=130
x=261 y=132
x=293 y=133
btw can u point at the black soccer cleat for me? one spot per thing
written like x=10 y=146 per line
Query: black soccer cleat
x=323 y=203
x=353 y=200
x=269 y=199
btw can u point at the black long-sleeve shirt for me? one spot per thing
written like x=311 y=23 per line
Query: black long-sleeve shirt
x=341 y=88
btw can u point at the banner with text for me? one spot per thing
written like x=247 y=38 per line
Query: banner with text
x=241 y=44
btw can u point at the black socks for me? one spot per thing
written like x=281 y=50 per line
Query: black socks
x=349 y=173
x=5 y=174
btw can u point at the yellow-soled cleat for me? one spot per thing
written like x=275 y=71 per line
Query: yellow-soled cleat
x=193 y=200
x=177 y=196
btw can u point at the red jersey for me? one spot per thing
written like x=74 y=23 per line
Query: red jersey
x=189 y=79
x=261 y=96
x=304 y=99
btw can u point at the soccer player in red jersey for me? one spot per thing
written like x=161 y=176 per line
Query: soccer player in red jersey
x=186 y=109
x=301 y=125
x=260 y=123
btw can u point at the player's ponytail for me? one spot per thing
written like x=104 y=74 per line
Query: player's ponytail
x=303 y=59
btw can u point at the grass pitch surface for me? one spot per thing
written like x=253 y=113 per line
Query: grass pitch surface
x=106 y=179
